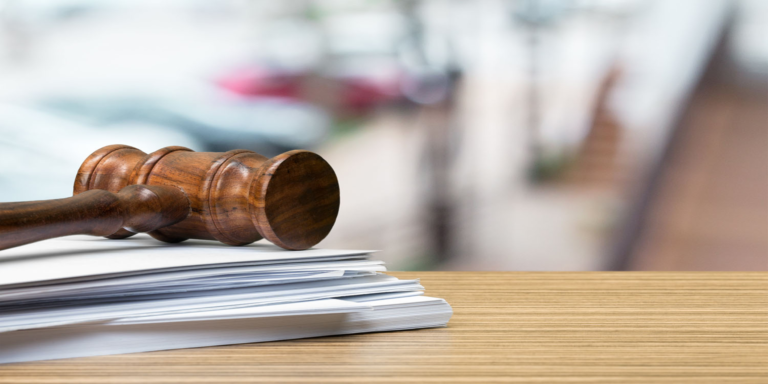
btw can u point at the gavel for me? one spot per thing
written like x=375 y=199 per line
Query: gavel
x=175 y=194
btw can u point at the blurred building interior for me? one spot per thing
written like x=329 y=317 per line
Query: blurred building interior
x=466 y=135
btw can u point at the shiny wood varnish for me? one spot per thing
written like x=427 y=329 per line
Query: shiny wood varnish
x=235 y=197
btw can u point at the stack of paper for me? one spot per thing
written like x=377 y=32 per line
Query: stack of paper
x=84 y=296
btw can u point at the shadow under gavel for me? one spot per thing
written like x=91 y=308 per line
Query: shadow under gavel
x=174 y=194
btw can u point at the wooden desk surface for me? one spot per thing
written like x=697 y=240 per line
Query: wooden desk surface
x=507 y=327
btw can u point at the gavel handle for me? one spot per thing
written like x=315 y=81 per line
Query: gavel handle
x=137 y=208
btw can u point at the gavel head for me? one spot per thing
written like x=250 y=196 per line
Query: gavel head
x=236 y=197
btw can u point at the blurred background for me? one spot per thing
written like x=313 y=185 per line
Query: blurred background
x=466 y=135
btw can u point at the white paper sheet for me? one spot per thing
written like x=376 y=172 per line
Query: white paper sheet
x=84 y=296
x=103 y=338
x=228 y=299
x=314 y=307
x=84 y=257
x=227 y=274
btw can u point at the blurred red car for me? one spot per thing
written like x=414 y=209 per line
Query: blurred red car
x=350 y=88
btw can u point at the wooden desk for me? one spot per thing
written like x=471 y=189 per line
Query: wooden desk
x=507 y=327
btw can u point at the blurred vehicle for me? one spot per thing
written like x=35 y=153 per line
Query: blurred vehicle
x=347 y=63
x=356 y=85
x=40 y=153
x=268 y=125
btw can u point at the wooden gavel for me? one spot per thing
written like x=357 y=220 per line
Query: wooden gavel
x=174 y=194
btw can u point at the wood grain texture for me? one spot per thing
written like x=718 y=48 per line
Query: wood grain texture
x=295 y=199
x=136 y=208
x=601 y=327
x=114 y=164
x=236 y=197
